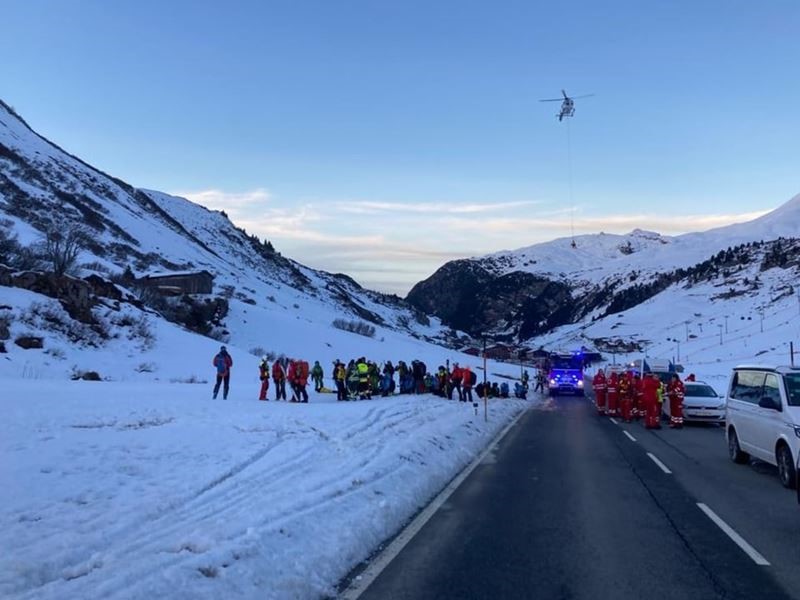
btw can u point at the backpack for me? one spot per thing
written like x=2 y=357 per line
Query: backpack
x=301 y=369
x=473 y=378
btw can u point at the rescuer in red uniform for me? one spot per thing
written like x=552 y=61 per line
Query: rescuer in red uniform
x=612 y=395
x=652 y=407
x=600 y=388
x=626 y=392
x=638 y=410
x=676 y=392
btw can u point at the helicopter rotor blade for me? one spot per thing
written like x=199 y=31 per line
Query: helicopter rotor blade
x=565 y=94
x=584 y=96
x=552 y=100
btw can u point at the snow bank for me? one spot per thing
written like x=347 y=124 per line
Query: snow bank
x=141 y=490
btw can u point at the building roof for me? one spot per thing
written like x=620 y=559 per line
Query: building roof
x=160 y=274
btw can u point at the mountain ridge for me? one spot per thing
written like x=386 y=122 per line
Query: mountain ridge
x=594 y=270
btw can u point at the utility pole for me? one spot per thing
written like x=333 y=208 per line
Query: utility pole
x=720 y=334
x=726 y=324
x=687 y=330
x=761 y=314
x=677 y=341
x=485 y=391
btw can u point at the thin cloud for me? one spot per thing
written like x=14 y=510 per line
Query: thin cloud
x=369 y=207
x=221 y=200
x=608 y=223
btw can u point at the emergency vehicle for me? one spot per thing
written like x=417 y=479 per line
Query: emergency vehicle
x=566 y=374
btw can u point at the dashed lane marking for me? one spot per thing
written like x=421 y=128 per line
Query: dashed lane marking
x=754 y=554
x=630 y=437
x=660 y=464
x=613 y=420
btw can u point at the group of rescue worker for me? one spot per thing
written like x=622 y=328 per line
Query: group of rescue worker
x=361 y=379
x=629 y=396
x=293 y=371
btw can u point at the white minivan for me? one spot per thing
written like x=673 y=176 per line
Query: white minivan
x=762 y=417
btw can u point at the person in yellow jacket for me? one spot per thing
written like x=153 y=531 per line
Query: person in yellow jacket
x=362 y=368
x=339 y=375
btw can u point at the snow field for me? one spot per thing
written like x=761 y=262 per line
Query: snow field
x=139 y=490
x=663 y=319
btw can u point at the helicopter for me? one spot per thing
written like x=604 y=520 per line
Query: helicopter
x=567 y=104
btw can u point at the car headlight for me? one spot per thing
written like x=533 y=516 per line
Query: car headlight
x=552 y=382
x=580 y=383
x=797 y=431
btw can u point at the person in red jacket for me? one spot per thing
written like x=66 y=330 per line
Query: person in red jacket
x=638 y=410
x=612 y=398
x=298 y=379
x=222 y=363
x=676 y=392
x=600 y=387
x=626 y=392
x=279 y=378
x=263 y=375
x=652 y=407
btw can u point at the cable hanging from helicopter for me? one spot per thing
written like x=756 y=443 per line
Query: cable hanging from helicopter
x=568 y=110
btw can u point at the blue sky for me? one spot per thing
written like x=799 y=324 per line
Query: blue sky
x=382 y=138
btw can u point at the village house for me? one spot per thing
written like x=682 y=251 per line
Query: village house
x=179 y=282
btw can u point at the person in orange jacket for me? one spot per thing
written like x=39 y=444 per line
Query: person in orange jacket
x=456 y=377
x=600 y=387
x=466 y=380
x=676 y=393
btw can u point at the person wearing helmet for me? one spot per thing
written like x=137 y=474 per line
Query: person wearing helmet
x=263 y=375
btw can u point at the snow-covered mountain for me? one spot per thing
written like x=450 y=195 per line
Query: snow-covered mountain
x=272 y=302
x=519 y=294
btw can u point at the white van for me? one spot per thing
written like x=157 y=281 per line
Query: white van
x=762 y=417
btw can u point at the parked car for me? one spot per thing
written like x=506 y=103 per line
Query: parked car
x=762 y=417
x=701 y=403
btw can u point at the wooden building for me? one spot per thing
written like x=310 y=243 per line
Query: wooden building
x=179 y=282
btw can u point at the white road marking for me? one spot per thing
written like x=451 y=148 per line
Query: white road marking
x=661 y=465
x=630 y=437
x=739 y=540
x=613 y=420
x=361 y=582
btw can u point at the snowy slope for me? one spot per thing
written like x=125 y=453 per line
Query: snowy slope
x=565 y=284
x=600 y=256
x=746 y=315
x=275 y=303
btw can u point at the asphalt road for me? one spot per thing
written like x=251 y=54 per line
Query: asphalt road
x=568 y=506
